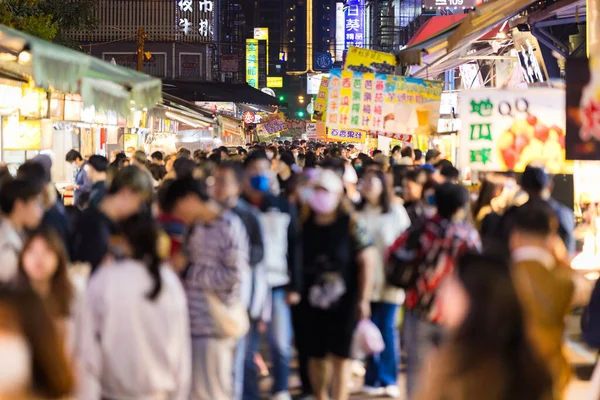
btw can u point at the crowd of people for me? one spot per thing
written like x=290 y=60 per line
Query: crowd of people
x=169 y=272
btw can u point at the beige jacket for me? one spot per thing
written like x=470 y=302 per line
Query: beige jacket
x=545 y=291
x=384 y=229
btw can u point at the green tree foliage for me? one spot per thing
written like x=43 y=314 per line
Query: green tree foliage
x=49 y=19
x=26 y=16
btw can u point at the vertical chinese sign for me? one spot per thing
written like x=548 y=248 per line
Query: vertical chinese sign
x=263 y=34
x=262 y=63
x=196 y=19
x=506 y=130
x=354 y=25
x=252 y=62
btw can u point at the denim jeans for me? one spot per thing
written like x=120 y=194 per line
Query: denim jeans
x=280 y=343
x=420 y=337
x=382 y=368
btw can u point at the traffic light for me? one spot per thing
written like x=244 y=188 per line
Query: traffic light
x=300 y=114
x=281 y=97
x=301 y=99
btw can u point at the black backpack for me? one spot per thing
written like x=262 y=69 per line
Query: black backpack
x=403 y=267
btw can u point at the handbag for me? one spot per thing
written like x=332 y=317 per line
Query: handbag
x=229 y=321
x=404 y=263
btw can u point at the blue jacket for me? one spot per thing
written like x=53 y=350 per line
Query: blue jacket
x=83 y=181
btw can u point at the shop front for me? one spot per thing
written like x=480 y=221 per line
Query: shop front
x=55 y=99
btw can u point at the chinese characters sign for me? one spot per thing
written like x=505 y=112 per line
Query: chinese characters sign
x=382 y=104
x=271 y=126
x=354 y=25
x=195 y=18
x=365 y=60
x=506 y=130
x=262 y=63
x=346 y=135
x=252 y=62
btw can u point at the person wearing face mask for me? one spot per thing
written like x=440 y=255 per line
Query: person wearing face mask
x=33 y=362
x=229 y=180
x=384 y=221
x=282 y=264
x=441 y=240
x=83 y=184
x=338 y=261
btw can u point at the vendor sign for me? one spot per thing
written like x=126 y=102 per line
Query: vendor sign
x=509 y=129
x=321 y=102
x=21 y=134
x=382 y=103
x=311 y=130
x=271 y=126
x=346 y=135
x=365 y=60
x=398 y=136
x=583 y=109
x=295 y=127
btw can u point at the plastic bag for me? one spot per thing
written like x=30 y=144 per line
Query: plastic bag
x=367 y=340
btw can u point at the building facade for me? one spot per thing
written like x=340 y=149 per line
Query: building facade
x=183 y=39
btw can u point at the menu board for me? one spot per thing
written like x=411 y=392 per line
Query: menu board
x=382 y=103
x=506 y=130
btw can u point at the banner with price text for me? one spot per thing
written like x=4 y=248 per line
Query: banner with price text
x=382 y=103
x=505 y=130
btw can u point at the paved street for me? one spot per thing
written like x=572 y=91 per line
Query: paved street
x=581 y=358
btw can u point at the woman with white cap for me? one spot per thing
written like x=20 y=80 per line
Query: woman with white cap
x=338 y=256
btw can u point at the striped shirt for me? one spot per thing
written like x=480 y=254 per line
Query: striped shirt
x=218 y=253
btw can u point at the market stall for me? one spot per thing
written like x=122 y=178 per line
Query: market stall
x=55 y=99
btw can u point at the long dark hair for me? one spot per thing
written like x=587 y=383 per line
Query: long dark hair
x=142 y=235
x=489 y=187
x=494 y=327
x=384 y=198
x=52 y=377
x=60 y=300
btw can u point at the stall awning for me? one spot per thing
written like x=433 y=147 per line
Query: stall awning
x=485 y=18
x=452 y=42
x=231 y=125
x=218 y=91
x=101 y=84
x=434 y=26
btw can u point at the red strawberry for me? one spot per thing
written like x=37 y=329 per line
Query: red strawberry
x=510 y=157
x=520 y=142
x=558 y=130
x=531 y=119
x=542 y=132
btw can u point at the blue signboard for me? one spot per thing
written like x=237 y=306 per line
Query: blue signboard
x=323 y=61
x=354 y=23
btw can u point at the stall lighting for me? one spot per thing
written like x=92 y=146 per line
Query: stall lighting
x=25 y=55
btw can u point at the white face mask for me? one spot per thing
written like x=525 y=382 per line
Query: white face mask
x=15 y=364
x=270 y=155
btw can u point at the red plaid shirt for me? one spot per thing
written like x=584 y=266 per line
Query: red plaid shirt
x=442 y=242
